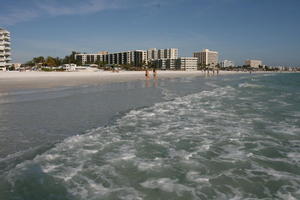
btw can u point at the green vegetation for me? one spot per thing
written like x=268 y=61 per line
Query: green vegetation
x=51 y=61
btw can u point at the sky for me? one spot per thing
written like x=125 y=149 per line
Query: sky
x=268 y=30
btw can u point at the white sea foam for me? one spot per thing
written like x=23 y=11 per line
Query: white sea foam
x=197 y=178
x=166 y=185
x=189 y=136
x=250 y=85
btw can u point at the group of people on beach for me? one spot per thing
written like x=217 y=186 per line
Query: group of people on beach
x=147 y=73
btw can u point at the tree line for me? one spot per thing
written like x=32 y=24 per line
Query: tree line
x=53 y=61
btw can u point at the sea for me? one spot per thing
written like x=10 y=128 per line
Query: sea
x=208 y=137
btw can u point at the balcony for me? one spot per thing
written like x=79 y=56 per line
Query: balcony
x=2 y=48
x=4 y=38
x=7 y=48
x=7 y=53
x=2 y=64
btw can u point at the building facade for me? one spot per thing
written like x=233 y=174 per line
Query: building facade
x=171 y=53
x=155 y=54
x=85 y=58
x=253 y=63
x=136 y=58
x=227 y=63
x=182 y=63
x=207 y=58
x=161 y=64
x=187 y=63
x=171 y=64
x=5 y=49
x=152 y=54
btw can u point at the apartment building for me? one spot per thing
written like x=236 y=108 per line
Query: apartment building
x=155 y=54
x=171 y=64
x=136 y=57
x=182 y=63
x=207 y=57
x=171 y=53
x=152 y=54
x=227 y=63
x=253 y=63
x=5 y=49
x=161 y=64
x=187 y=63
x=85 y=58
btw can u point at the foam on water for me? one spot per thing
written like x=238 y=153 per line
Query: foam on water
x=199 y=146
x=249 y=85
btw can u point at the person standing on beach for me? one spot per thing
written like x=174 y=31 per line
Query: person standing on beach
x=154 y=73
x=147 y=73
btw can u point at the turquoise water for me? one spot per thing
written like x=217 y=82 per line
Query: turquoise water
x=225 y=137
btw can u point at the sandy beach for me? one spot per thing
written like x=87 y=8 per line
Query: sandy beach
x=25 y=80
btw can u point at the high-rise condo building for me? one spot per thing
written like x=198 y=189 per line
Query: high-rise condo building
x=4 y=49
x=187 y=63
x=152 y=54
x=227 y=63
x=155 y=54
x=171 y=53
x=136 y=58
x=207 y=57
x=85 y=58
x=182 y=63
x=253 y=63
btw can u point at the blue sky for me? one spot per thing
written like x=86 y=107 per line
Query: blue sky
x=239 y=29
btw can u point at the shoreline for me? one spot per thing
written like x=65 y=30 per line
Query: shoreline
x=38 y=80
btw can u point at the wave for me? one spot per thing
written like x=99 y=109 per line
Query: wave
x=250 y=85
x=198 y=146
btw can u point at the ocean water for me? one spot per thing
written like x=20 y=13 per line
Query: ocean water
x=222 y=137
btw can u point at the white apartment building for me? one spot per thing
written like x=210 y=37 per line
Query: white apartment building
x=4 y=49
x=182 y=63
x=187 y=63
x=155 y=54
x=253 y=63
x=227 y=63
x=207 y=57
x=136 y=57
x=152 y=54
x=85 y=58
x=171 y=53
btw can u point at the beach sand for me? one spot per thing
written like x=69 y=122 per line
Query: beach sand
x=25 y=80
